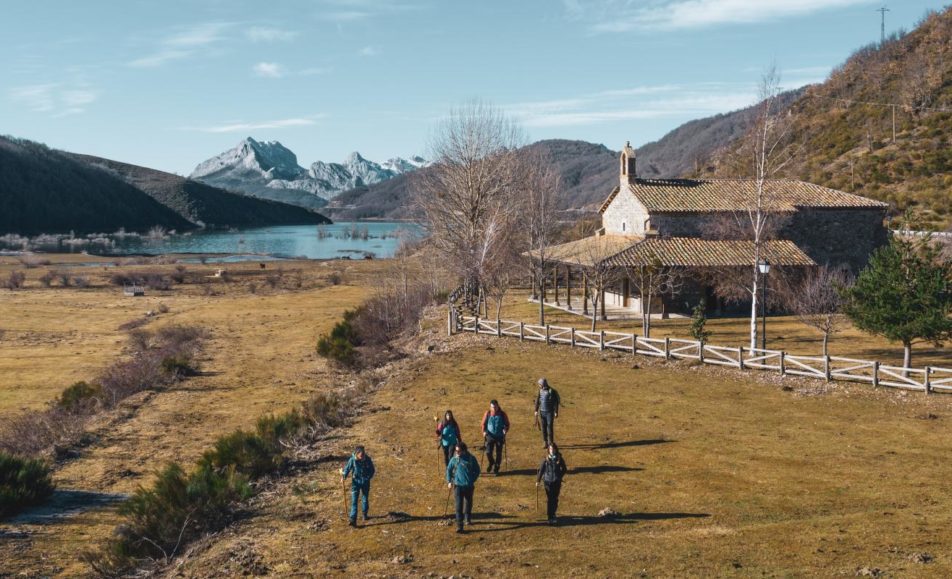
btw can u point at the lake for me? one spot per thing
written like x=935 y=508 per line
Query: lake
x=351 y=239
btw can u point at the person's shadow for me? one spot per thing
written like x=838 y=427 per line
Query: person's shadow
x=623 y=444
x=583 y=520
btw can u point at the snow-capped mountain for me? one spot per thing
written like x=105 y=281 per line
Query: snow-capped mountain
x=269 y=169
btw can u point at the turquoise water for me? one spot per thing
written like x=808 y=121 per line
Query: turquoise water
x=355 y=240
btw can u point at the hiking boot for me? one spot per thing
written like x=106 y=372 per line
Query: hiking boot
x=366 y=517
x=496 y=469
x=469 y=521
x=489 y=467
x=459 y=530
x=353 y=522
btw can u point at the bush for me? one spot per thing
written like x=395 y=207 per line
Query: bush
x=326 y=410
x=80 y=398
x=340 y=344
x=242 y=452
x=178 y=276
x=14 y=280
x=176 y=509
x=335 y=278
x=178 y=367
x=157 y=281
x=64 y=278
x=46 y=280
x=23 y=482
x=277 y=431
x=81 y=281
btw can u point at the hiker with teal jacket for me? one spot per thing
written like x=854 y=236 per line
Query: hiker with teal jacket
x=363 y=470
x=461 y=474
x=447 y=435
x=495 y=427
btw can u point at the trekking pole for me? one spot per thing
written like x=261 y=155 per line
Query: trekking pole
x=537 y=499
x=343 y=486
x=446 y=507
x=505 y=450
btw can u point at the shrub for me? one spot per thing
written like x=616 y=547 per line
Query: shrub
x=326 y=410
x=335 y=278
x=274 y=279
x=123 y=279
x=81 y=397
x=23 y=482
x=277 y=431
x=14 y=280
x=46 y=280
x=177 y=508
x=178 y=367
x=163 y=309
x=81 y=281
x=64 y=278
x=243 y=452
x=178 y=276
x=157 y=281
x=340 y=344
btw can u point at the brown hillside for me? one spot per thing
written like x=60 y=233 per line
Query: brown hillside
x=846 y=125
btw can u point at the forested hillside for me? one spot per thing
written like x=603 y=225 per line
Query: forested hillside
x=200 y=203
x=46 y=191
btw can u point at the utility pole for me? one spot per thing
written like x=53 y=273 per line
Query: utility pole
x=882 y=26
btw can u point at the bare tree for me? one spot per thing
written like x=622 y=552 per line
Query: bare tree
x=651 y=280
x=598 y=273
x=769 y=147
x=818 y=300
x=540 y=185
x=467 y=195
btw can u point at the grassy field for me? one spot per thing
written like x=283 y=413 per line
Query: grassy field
x=260 y=358
x=712 y=472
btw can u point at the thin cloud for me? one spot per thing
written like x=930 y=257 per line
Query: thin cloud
x=240 y=126
x=183 y=43
x=54 y=98
x=270 y=34
x=268 y=70
x=348 y=11
x=621 y=16
x=369 y=51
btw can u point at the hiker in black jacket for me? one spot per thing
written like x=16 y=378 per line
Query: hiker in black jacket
x=547 y=410
x=551 y=473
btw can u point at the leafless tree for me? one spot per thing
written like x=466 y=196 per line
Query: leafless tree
x=651 y=280
x=540 y=185
x=770 y=148
x=817 y=300
x=467 y=195
x=599 y=275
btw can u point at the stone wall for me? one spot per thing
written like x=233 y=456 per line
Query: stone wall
x=838 y=236
x=625 y=215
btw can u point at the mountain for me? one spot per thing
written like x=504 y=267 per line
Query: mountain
x=43 y=190
x=204 y=204
x=46 y=191
x=269 y=170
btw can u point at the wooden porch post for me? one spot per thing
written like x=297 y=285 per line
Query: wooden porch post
x=625 y=289
x=555 y=282
x=604 y=317
x=568 y=287
x=584 y=294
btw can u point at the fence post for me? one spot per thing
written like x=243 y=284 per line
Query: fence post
x=667 y=348
x=634 y=344
x=601 y=341
x=875 y=374
x=573 y=336
x=740 y=358
x=476 y=325
x=826 y=367
x=700 y=351
x=522 y=331
x=547 y=334
x=783 y=363
x=927 y=383
x=498 y=328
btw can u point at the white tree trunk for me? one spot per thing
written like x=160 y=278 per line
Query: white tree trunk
x=753 y=308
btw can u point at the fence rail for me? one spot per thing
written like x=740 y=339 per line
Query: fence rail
x=928 y=379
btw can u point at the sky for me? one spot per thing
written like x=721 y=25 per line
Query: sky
x=169 y=83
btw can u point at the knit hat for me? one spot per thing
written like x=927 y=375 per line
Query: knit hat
x=543 y=383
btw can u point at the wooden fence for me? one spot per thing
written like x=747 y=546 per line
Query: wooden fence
x=928 y=379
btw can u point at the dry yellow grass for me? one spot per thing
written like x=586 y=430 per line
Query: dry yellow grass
x=713 y=473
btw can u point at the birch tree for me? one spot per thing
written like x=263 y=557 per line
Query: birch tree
x=540 y=185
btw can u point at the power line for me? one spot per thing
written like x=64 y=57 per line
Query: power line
x=882 y=26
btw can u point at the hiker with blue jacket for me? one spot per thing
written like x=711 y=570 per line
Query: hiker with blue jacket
x=495 y=426
x=447 y=435
x=547 y=410
x=362 y=467
x=461 y=474
x=551 y=473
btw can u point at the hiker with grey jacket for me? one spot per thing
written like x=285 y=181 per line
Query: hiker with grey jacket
x=461 y=474
x=547 y=410
x=363 y=470
x=551 y=473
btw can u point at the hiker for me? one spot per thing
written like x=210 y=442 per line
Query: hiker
x=362 y=467
x=547 y=410
x=448 y=434
x=461 y=474
x=495 y=426
x=551 y=473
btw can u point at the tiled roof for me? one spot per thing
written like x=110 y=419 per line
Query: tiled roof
x=694 y=252
x=708 y=195
x=608 y=200
x=584 y=252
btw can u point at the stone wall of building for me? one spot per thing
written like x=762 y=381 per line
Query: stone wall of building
x=624 y=215
x=838 y=236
